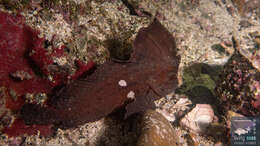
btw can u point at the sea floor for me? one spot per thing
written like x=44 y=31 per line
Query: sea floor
x=204 y=30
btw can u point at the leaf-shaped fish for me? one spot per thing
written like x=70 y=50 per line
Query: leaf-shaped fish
x=151 y=72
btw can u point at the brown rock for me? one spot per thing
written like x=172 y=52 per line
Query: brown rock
x=257 y=40
x=155 y=130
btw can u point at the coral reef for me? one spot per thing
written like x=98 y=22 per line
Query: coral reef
x=28 y=71
x=74 y=35
x=239 y=87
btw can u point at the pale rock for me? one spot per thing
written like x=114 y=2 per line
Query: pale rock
x=199 y=118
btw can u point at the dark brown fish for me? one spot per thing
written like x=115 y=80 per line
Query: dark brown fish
x=150 y=73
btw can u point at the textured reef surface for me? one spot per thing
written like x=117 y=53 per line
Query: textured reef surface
x=27 y=70
x=239 y=86
x=85 y=72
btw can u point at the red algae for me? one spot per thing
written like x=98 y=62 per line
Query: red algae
x=19 y=127
x=16 y=38
x=44 y=59
x=82 y=68
x=25 y=69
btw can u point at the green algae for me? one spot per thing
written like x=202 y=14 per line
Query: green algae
x=199 y=75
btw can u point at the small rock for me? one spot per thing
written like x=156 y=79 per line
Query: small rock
x=156 y=130
x=21 y=75
x=257 y=34
x=199 y=118
x=168 y=115
x=257 y=40
x=14 y=141
x=219 y=144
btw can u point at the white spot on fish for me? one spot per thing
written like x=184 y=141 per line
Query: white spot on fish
x=131 y=95
x=122 y=83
